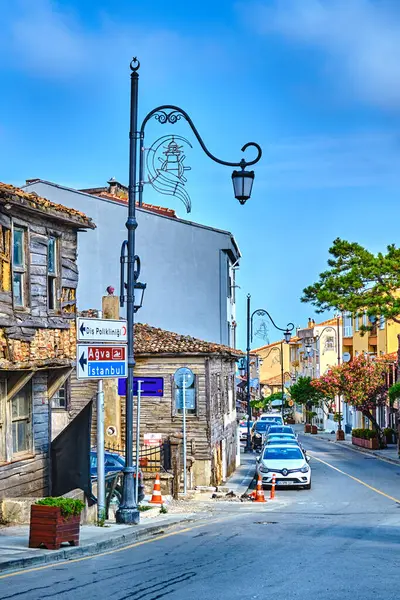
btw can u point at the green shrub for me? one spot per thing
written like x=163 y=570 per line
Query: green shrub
x=364 y=434
x=68 y=506
x=389 y=431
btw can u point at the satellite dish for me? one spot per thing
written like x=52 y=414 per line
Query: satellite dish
x=346 y=356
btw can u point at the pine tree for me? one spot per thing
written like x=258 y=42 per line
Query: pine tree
x=358 y=280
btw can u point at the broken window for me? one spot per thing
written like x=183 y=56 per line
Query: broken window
x=5 y=259
x=52 y=273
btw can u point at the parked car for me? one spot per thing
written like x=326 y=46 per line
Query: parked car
x=281 y=429
x=288 y=463
x=257 y=434
x=272 y=418
x=113 y=463
x=243 y=430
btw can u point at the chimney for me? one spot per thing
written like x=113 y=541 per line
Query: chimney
x=113 y=186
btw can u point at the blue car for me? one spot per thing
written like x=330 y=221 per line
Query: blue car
x=114 y=463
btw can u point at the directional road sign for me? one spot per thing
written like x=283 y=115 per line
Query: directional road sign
x=101 y=362
x=101 y=330
x=151 y=386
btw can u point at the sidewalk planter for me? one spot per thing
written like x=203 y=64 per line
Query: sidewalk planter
x=307 y=428
x=314 y=429
x=340 y=435
x=372 y=444
x=50 y=526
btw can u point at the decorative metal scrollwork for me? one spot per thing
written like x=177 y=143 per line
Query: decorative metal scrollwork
x=165 y=166
x=172 y=117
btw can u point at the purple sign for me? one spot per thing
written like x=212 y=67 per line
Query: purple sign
x=151 y=386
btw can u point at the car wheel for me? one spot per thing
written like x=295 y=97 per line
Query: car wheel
x=308 y=486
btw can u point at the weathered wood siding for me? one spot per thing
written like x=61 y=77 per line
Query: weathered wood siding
x=29 y=476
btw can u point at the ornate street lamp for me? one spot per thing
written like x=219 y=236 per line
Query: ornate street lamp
x=242 y=184
x=128 y=512
x=287 y=335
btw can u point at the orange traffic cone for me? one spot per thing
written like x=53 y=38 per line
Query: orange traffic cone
x=259 y=491
x=272 y=494
x=156 y=497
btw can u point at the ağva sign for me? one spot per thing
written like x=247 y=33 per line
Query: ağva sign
x=151 y=386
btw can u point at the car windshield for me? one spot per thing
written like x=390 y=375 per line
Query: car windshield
x=282 y=436
x=272 y=419
x=261 y=426
x=281 y=441
x=289 y=453
x=282 y=429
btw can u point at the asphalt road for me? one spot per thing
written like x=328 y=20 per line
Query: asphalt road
x=340 y=540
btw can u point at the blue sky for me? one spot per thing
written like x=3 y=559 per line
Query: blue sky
x=315 y=82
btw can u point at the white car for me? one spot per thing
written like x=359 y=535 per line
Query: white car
x=243 y=430
x=289 y=464
x=272 y=418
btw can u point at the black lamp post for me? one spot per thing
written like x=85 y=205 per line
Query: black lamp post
x=128 y=512
x=287 y=335
x=308 y=347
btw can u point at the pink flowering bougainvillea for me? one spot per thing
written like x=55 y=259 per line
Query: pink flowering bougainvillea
x=361 y=382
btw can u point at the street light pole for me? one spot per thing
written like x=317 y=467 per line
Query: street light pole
x=242 y=180
x=287 y=335
x=128 y=512
x=248 y=396
x=282 y=383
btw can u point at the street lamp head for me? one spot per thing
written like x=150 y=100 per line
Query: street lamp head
x=139 y=293
x=242 y=184
x=372 y=319
x=287 y=335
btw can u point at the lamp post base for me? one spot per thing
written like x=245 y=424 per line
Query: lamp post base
x=128 y=512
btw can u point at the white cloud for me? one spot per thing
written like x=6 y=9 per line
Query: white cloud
x=48 y=40
x=360 y=40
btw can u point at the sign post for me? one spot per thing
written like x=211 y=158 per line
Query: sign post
x=96 y=360
x=184 y=378
x=101 y=486
x=139 y=394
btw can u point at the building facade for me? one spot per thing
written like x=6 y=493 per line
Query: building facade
x=38 y=283
x=210 y=399
x=189 y=266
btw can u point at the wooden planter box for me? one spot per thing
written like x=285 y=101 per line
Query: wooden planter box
x=307 y=428
x=371 y=444
x=50 y=529
x=340 y=435
x=314 y=429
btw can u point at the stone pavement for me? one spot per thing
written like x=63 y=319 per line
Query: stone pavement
x=15 y=554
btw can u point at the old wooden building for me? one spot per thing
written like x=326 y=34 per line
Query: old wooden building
x=38 y=282
x=211 y=400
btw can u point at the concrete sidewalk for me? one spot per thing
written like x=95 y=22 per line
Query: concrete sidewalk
x=389 y=454
x=15 y=554
x=241 y=479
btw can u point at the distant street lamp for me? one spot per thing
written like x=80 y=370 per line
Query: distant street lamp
x=128 y=512
x=287 y=335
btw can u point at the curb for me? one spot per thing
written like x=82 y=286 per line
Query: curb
x=94 y=548
x=393 y=461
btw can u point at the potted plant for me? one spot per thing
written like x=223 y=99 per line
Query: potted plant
x=54 y=521
x=366 y=438
x=338 y=418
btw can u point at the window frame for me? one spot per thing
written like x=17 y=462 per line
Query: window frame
x=382 y=322
x=23 y=270
x=67 y=397
x=28 y=418
x=53 y=278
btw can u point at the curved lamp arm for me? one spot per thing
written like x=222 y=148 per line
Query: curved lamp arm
x=328 y=328
x=271 y=350
x=175 y=114
x=261 y=312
